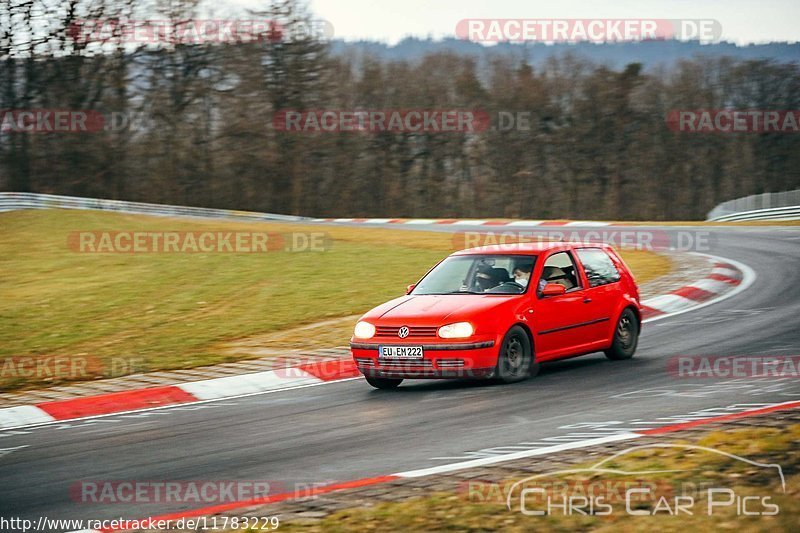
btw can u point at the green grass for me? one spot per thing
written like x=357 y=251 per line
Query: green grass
x=174 y=310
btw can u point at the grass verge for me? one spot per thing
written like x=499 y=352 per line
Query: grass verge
x=476 y=509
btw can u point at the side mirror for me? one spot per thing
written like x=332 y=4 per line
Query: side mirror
x=553 y=289
x=410 y=288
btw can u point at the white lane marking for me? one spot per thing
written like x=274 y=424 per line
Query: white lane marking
x=474 y=463
x=7 y=451
x=144 y=416
x=378 y=220
x=748 y=278
x=420 y=221
x=5 y=434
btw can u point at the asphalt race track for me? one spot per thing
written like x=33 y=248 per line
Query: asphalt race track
x=347 y=430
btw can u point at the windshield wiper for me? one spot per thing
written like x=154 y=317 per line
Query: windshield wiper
x=461 y=292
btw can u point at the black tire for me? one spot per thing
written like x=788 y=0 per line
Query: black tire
x=515 y=359
x=626 y=337
x=384 y=383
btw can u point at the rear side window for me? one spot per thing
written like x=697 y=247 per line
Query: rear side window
x=598 y=266
x=560 y=269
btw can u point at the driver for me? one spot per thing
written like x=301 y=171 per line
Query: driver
x=488 y=278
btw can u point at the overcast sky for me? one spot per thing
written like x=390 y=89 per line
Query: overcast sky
x=754 y=21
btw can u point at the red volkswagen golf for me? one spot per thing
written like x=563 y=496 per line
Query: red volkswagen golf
x=500 y=311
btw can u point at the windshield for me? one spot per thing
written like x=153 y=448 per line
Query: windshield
x=478 y=274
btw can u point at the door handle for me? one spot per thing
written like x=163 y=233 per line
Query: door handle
x=587 y=300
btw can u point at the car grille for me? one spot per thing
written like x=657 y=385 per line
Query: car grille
x=450 y=363
x=413 y=331
x=420 y=363
x=363 y=361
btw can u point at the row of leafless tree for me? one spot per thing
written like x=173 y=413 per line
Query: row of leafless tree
x=193 y=124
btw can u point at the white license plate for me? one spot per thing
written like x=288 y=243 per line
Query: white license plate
x=401 y=352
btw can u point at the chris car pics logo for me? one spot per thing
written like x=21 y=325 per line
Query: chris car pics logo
x=653 y=493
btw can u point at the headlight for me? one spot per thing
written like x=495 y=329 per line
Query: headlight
x=459 y=330
x=364 y=330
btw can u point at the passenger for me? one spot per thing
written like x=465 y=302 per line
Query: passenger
x=522 y=275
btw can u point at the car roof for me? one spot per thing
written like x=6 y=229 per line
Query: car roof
x=524 y=248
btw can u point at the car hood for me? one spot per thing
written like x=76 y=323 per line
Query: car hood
x=436 y=309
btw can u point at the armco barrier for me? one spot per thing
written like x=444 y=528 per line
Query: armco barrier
x=12 y=201
x=784 y=205
x=777 y=213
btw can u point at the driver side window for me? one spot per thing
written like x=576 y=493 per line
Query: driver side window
x=559 y=268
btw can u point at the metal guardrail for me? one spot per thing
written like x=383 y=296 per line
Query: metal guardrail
x=757 y=207
x=12 y=201
x=778 y=213
x=767 y=206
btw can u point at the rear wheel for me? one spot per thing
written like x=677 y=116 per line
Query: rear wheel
x=515 y=360
x=384 y=383
x=626 y=337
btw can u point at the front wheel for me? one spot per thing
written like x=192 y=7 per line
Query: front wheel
x=626 y=337
x=384 y=383
x=515 y=360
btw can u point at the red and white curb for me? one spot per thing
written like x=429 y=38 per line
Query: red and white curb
x=464 y=222
x=727 y=278
x=453 y=467
x=317 y=373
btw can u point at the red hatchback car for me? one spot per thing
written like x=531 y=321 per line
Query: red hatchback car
x=499 y=311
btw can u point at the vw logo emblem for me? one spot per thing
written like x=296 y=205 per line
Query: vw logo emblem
x=402 y=332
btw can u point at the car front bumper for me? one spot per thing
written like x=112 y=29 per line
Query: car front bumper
x=476 y=359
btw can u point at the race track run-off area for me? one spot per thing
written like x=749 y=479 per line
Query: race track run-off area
x=336 y=433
